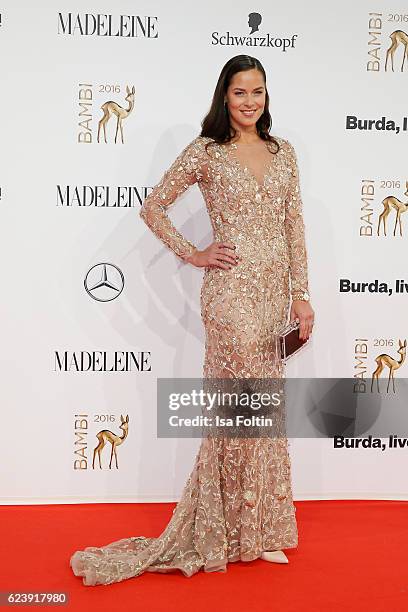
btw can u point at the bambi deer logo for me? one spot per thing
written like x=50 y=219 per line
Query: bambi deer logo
x=389 y=203
x=398 y=38
x=115 y=439
x=391 y=363
x=112 y=108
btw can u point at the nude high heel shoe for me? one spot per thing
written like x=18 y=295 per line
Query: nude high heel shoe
x=274 y=556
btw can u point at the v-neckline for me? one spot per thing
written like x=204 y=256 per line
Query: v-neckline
x=245 y=169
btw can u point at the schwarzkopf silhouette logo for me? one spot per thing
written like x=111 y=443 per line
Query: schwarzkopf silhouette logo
x=104 y=282
x=254 y=21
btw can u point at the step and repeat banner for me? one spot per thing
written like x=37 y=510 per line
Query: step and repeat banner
x=96 y=104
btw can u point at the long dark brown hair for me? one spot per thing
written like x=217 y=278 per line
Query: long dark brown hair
x=216 y=124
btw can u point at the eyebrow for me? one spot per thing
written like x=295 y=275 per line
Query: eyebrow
x=242 y=89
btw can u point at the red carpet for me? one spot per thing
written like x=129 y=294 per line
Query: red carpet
x=352 y=555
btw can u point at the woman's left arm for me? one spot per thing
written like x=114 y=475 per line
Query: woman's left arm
x=295 y=235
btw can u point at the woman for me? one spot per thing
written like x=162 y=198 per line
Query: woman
x=237 y=503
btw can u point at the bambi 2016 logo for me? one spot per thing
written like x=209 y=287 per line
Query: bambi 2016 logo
x=90 y=113
x=387 y=42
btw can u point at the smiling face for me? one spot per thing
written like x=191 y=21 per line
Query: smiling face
x=245 y=98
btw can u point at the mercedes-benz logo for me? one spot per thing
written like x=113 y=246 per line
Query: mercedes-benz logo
x=104 y=282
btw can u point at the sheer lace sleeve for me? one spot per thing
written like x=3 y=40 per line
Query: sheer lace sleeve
x=295 y=230
x=184 y=172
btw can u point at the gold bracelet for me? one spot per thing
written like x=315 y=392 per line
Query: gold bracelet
x=304 y=296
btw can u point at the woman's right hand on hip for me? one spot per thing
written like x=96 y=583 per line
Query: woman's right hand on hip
x=216 y=255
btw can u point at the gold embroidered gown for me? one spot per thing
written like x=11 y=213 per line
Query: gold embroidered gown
x=237 y=501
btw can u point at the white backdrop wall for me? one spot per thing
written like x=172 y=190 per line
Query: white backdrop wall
x=69 y=203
